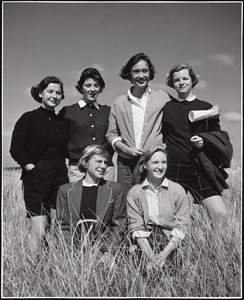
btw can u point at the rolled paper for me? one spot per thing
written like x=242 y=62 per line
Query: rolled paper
x=196 y=115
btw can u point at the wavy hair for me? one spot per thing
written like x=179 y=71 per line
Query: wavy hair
x=90 y=73
x=177 y=68
x=125 y=72
x=39 y=88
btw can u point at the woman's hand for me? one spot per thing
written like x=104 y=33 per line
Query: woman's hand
x=134 y=152
x=197 y=141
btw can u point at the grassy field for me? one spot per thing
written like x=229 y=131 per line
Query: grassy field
x=211 y=266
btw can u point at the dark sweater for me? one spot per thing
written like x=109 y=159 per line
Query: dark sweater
x=86 y=126
x=88 y=202
x=38 y=133
x=178 y=129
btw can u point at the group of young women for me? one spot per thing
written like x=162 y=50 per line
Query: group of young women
x=149 y=201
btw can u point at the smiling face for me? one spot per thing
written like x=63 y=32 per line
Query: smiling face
x=95 y=168
x=182 y=83
x=51 y=96
x=90 y=88
x=156 y=166
x=140 y=74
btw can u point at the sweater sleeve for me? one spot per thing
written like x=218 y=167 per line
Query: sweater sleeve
x=182 y=209
x=134 y=212
x=112 y=131
x=19 y=140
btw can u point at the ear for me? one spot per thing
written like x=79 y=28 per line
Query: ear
x=40 y=94
x=85 y=165
x=144 y=166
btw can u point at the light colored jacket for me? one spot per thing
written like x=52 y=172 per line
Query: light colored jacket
x=174 y=209
x=121 y=121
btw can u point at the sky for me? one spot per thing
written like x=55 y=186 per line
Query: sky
x=63 y=38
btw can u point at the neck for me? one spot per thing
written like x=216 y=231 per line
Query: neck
x=185 y=95
x=155 y=182
x=90 y=179
x=48 y=108
x=138 y=92
x=94 y=102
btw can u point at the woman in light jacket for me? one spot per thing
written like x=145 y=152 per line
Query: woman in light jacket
x=158 y=209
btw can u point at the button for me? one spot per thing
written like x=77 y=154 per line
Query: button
x=90 y=115
x=92 y=126
x=49 y=119
x=93 y=139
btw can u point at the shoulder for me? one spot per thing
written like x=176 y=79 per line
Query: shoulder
x=65 y=187
x=136 y=189
x=175 y=187
x=119 y=100
x=29 y=115
x=202 y=103
x=70 y=107
x=104 y=108
x=113 y=185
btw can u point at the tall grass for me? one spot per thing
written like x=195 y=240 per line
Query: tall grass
x=211 y=266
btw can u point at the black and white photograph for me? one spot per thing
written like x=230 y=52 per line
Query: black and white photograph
x=122 y=146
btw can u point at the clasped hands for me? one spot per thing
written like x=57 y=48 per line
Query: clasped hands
x=157 y=262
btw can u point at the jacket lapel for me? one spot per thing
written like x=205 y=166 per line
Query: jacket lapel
x=104 y=195
x=74 y=200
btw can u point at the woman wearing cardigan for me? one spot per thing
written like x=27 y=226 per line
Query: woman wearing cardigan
x=39 y=145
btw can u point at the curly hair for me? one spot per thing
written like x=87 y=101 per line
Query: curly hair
x=90 y=73
x=37 y=89
x=125 y=72
x=177 y=68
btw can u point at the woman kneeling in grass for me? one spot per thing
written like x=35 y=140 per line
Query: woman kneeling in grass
x=157 y=208
x=92 y=201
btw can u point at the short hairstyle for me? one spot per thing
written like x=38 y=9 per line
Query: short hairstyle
x=125 y=72
x=89 y=152
x=177 y=68
x=37 y=89
x=90 y=73
x=145 y=157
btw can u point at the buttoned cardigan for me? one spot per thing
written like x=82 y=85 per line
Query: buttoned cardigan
x=121 y=121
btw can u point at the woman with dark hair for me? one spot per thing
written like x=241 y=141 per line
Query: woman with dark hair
x=158 y=209
x=197 y=151
x=135 y=119
x=39 y=145
x=87 y=121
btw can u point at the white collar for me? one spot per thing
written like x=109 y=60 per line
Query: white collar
x=82 y=104
x=88 y=184
x=189 y=99
x=165 y=183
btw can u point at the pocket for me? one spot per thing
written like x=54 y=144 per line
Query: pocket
x=35 y=179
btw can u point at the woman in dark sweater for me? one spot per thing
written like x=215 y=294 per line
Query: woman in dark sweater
x=87 y=121
x=39 y=145
x=194 y=156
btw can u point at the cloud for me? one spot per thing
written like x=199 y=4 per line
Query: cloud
x=223 y=59
x=232 y=117
x=194 y=63
x=201 y=85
